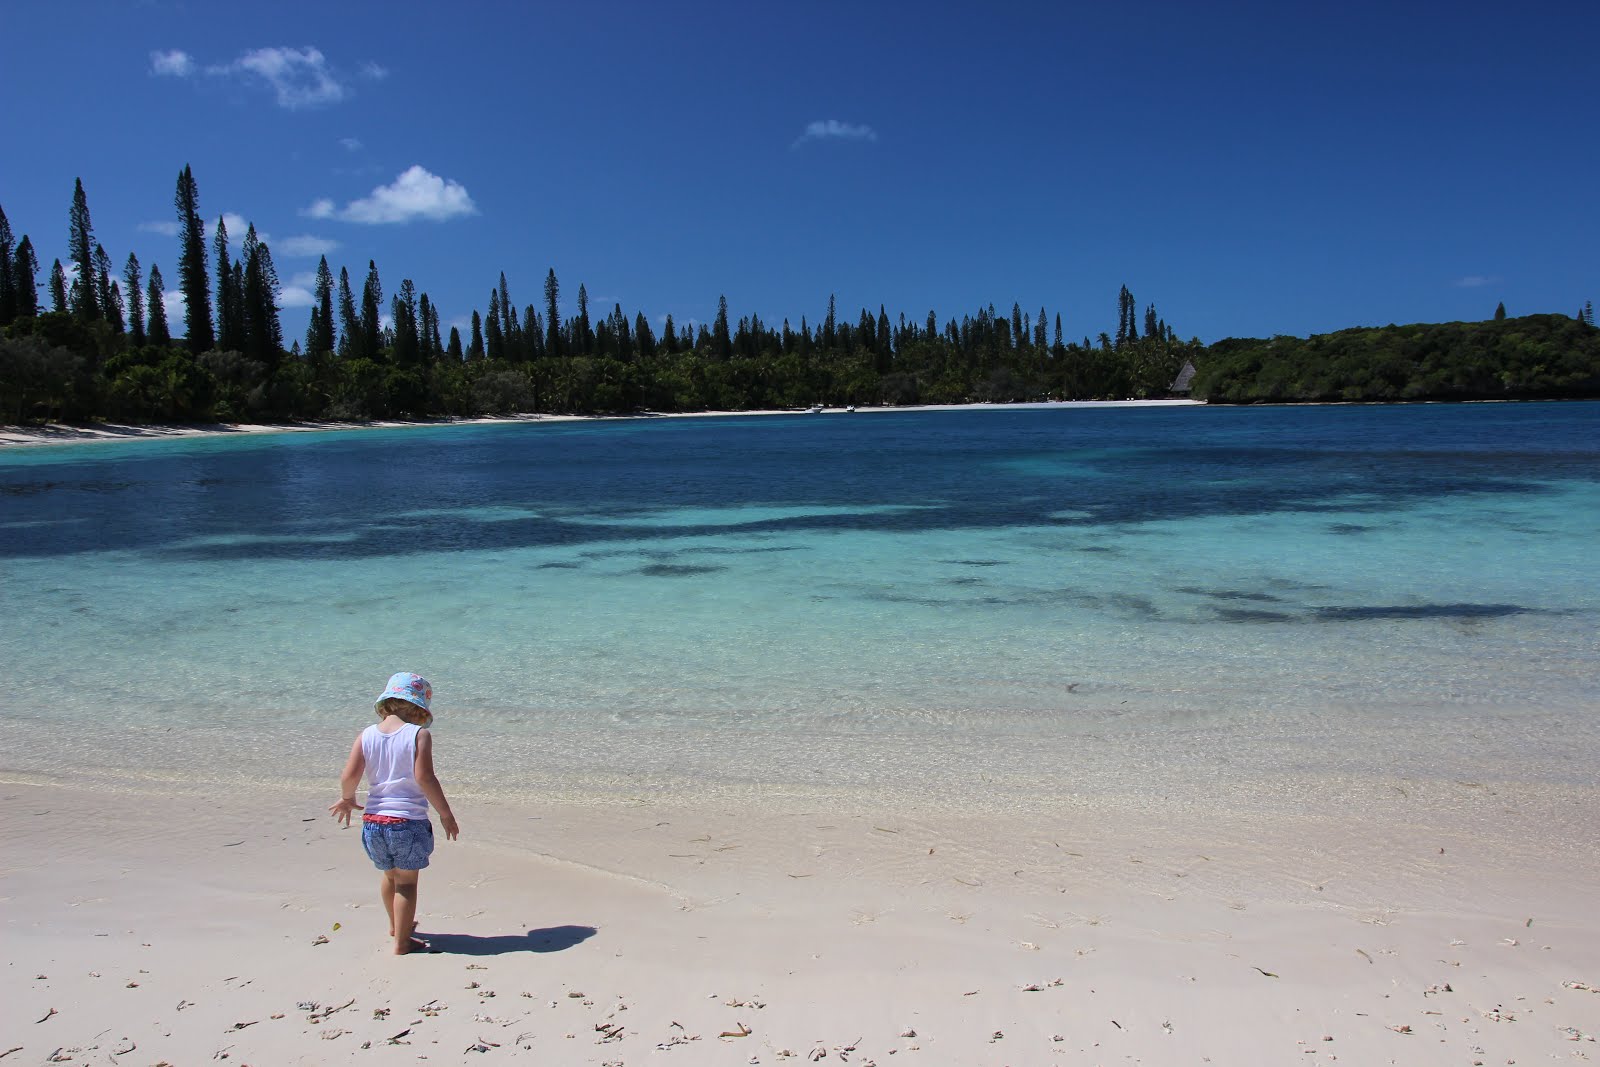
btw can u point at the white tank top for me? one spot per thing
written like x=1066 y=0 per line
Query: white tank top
x=391 y=772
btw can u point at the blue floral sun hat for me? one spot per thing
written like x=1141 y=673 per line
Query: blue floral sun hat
x=413 y=688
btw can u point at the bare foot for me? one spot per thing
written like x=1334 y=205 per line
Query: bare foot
x=412 y=944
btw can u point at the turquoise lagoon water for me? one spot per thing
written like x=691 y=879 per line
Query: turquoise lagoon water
x=986 y=602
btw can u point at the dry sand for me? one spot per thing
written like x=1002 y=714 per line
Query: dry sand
x=147 y=929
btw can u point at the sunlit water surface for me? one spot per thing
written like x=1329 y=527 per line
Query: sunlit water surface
x=980 y=606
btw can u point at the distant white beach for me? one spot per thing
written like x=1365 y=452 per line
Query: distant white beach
x=66 y=434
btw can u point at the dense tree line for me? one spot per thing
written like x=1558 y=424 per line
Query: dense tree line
x=103 y=348
x=1530 y=357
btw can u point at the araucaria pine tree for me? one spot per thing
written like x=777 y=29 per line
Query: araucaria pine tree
x=105 y=289
x=135 y=282
x=8 y=299
x=81 y=246
x=192 y=277
x=228 y=327
x=24 y=283
x=159 y=335
x=58 y=288
x=371 y=308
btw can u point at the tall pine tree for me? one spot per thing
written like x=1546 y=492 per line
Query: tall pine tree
x=103 y=286
x=135 y=283
x=323 y=341
x=58 y=288
x=349 y=321
x=24 y=279
x=230 y=332
x=159 y=334
x=371 y=308
x=192 y=277
x=81 y=247
x=407 y=340
x=552 y=315
x=8 y=297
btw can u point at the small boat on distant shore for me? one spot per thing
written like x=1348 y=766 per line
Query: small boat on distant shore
x=814 y=409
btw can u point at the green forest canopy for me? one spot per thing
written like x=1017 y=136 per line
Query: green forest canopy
x=101 y=347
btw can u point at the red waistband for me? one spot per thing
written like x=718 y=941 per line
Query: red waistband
x=384 y=820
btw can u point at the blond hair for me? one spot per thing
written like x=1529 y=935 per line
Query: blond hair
x=404 y=709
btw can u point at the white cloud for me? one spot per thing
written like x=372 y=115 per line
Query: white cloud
x=351 y=144
x=295 y=296
x=1474 y=281
x=166 y=229
x=172 y=301
x=373 y=72
x=172 y=64
x=305 y=245
x=301 y=77
x=320 y=209
x=834 y=130
x=415 y=194
x=305 y=279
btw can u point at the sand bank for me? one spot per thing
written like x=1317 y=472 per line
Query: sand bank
x=60 y=433
x=143 y=929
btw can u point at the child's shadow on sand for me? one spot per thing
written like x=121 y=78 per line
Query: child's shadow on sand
x=549 y=939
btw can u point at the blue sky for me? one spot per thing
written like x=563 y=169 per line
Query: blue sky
x=1250 y=169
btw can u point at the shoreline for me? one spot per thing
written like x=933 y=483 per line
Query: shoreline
x=67 y=434
x=612 y=935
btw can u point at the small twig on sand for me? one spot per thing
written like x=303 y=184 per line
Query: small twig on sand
x=47 y=1015
x=318 y=1016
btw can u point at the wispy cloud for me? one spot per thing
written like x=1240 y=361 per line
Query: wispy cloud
x=300 y=77
x=834 y=130
x=1474 y=281
x=297 y=77
x=168 y=228
x=351 y=144
x=305 y=245
x=415 y=194
x=172 y=64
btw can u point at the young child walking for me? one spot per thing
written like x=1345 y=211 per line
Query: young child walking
x=396 y=754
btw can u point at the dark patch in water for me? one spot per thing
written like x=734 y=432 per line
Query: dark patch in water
x=1349 y=528
x=1230 y=594
x=559 y=566
x=1252 y=615
x=1421 y=611
x=977 y=562
x=963 y=581
x=678 y=570
x=1099 y=548
x=728 y=550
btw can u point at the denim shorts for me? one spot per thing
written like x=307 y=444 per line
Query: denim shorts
x=403 y=846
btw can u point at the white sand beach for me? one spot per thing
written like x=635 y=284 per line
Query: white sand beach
x=62 y=433
x=145 y=927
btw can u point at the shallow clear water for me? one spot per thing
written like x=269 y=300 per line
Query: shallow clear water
x=978 y=595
